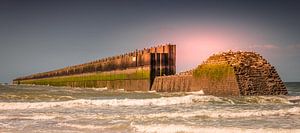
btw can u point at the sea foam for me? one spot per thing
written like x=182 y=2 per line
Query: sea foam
x=163 y=101
x=171 y=128
x=226 y=113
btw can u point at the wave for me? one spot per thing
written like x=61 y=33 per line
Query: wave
x=163 y=101
x=78 y=126
x=294 y=99
x=36 y=117
x=40 y=97
x=263 y=99
x=125 y=127
x=196 y=92
x=203 y=113
x=171 y=128
x=226 y=113
x=95 y=89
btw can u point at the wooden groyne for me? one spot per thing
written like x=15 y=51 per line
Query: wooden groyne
x=228 y=73
x=130 y=71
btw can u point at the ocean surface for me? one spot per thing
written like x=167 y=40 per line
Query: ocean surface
x=71 y=110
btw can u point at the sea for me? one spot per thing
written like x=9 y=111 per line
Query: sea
x=44 y=109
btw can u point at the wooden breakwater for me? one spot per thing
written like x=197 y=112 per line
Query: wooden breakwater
x=131 y=71
x=228 y=73
x=225 y=74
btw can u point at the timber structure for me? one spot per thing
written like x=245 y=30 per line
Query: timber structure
x=131 y=71
x=224 y=74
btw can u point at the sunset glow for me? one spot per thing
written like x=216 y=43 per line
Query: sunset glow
x=197 y=42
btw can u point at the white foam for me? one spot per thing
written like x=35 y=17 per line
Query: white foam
x=98 y=89
x=293 y=98
x=227 y=113
x=196 y=92
x=81 y=126
x=65 y=97
x=5 y=126
x=98 y=128
x=266 y=99
x=36 y=117
x=163 y=101
x=170 y=128
x=120 y=89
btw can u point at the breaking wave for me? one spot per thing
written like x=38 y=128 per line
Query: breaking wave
x=163 y=101
x=167 y=128
x=82 y=126
x=111 y=102
x=227 y=113
x=294 y=99
x=36 y=117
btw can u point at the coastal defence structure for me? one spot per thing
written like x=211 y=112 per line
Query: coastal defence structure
x=134 y=71
x=224 y=74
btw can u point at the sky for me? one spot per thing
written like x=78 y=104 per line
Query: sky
x=38 y=36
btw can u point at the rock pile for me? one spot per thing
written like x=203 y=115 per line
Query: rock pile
x=255 y=75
